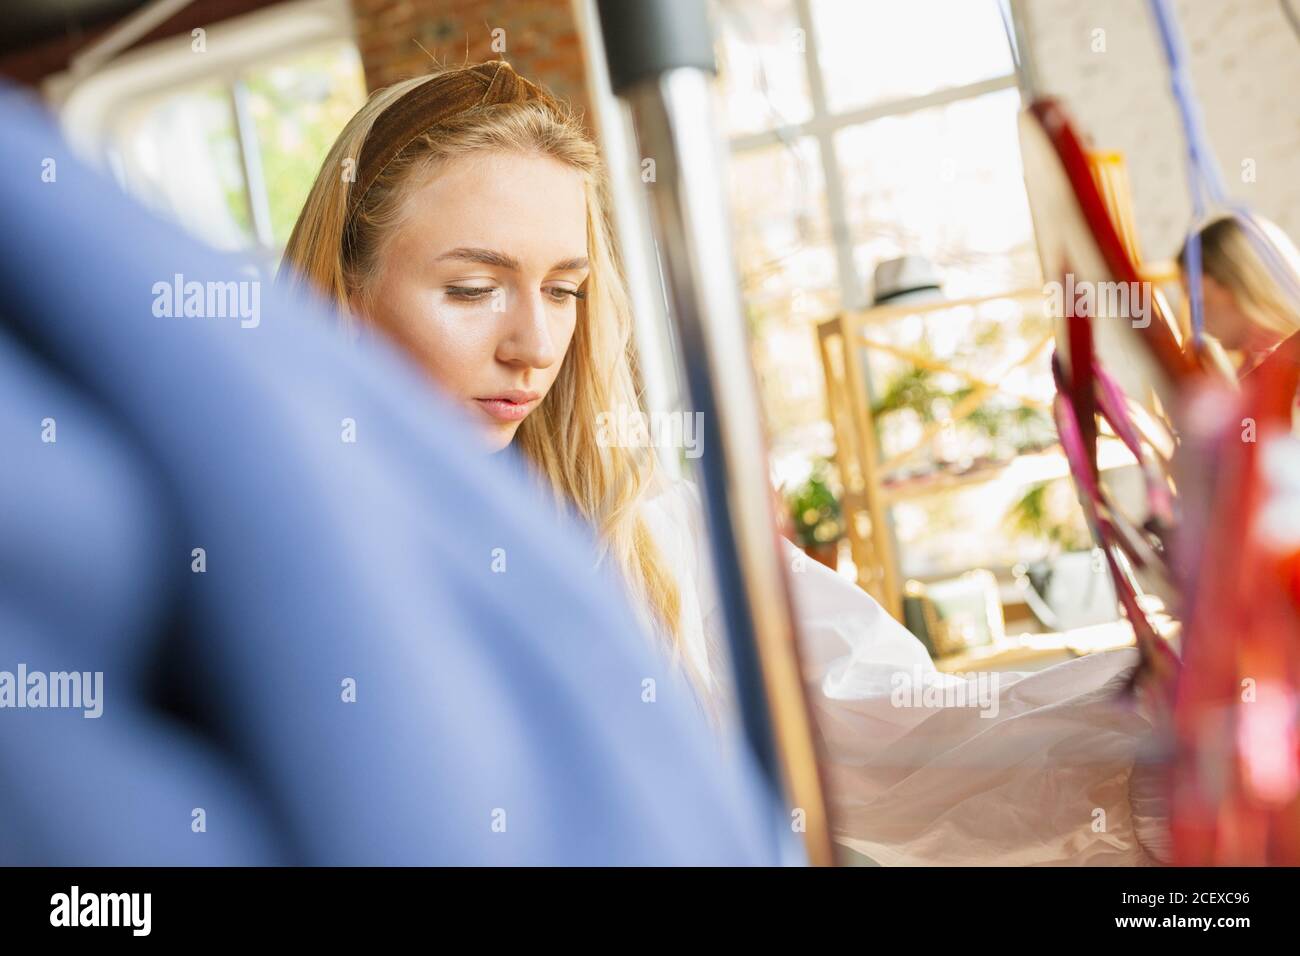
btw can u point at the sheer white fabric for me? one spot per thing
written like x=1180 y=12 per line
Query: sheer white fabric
x=929 y=768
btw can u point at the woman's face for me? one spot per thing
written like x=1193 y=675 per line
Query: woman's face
x=1228 y=322
x=1223 y=319
x=478 y=282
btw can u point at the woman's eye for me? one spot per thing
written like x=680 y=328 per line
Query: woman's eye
x=470 y=293
x=560 y=294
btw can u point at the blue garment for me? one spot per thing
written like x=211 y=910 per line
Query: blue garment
x=499 y=716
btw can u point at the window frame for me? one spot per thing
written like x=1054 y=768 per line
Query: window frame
x=824 y=123
x=92 y=107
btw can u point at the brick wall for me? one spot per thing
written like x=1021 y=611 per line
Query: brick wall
x=540 y=40
x=1245 y=64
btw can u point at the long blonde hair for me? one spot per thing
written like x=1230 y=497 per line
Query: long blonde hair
x=1229 y=257
x=338 y=253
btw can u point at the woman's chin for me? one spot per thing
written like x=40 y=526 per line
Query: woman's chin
x=496 y=433
x=499 y=435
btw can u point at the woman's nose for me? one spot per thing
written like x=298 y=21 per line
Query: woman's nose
x=528 y=340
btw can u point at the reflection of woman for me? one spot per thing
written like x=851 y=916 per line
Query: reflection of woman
x=1245 y=307
x=470 y=226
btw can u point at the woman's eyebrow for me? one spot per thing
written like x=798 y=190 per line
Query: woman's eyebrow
x=490 y=257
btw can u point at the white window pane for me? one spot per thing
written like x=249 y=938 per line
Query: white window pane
x=180 y=155
x=299 y=106
x=761 y=61
x=877 y=51
x=782 y=232
x=788 y=273
x=945 y=183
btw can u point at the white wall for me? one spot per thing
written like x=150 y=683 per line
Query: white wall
x=1245 y=64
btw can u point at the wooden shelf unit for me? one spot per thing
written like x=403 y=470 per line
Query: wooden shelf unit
x=867 y=497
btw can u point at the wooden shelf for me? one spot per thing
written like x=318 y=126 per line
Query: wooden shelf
x=1046 y=465
x=867 y=495
x=1031 y=648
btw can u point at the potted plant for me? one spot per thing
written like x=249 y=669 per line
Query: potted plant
x=816 y=515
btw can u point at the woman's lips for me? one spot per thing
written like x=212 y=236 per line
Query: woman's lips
x=507 y=409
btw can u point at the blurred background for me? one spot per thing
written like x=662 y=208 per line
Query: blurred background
x=883 y=236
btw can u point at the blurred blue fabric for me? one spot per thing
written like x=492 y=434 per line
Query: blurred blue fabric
x=481 y=697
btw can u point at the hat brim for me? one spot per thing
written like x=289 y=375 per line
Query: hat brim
x=925 y=293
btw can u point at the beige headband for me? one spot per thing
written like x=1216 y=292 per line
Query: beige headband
x=487 y=84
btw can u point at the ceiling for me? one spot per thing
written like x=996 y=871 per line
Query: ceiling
x=26 y=23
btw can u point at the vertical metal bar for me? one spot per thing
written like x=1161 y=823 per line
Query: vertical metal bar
x=660 y=372
x=885 y=572
x=259 y=208
x=1023 y=50
x=660 y=58
x=852 y=290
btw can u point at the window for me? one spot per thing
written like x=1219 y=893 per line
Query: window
x=944 y=182
x=182 y=156
x=226 y=142
x=232 y=160
x=879 y=135
x=883 y=51
x=860 y=131
x=762 y=60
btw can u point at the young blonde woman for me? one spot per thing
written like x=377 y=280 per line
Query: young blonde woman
x=464 y=215
x=1246 y=309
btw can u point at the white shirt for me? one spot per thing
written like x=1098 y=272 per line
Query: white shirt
x=930 y=768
